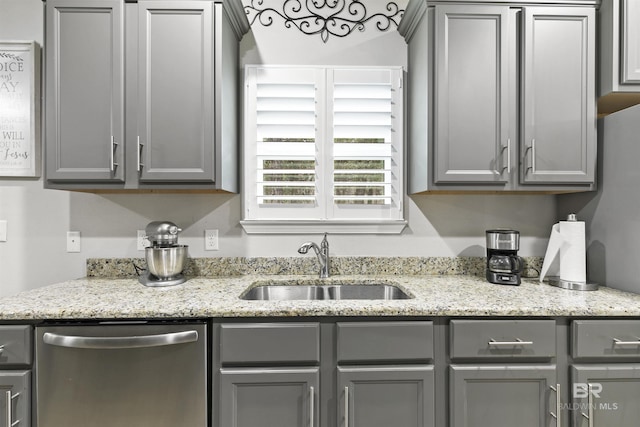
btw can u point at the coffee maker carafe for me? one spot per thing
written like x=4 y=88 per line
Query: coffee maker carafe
x=504 y=266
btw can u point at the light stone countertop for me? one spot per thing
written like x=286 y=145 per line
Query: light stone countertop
x=447 y=295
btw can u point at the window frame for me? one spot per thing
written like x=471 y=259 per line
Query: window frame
x=279 y=219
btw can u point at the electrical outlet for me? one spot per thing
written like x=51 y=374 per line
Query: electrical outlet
x=73 y=241
x=143 y=242
x=211 y=240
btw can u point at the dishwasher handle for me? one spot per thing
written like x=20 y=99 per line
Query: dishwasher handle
x=139 y=341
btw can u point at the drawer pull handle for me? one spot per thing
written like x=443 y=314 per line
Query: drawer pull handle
x=518 y=341
x=616 y=341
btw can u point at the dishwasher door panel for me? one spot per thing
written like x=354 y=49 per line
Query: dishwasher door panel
x=149 y=375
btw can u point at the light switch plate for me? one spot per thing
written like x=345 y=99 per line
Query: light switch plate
x=73 y=241
x=3 y=230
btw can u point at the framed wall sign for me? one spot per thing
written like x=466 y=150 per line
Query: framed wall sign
x=19 y=109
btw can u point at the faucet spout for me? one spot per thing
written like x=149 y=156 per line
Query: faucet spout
x=322 y=252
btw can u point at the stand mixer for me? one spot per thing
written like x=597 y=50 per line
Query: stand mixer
x=165 y=257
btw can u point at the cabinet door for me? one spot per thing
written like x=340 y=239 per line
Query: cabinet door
x=386 y=396
x=502 y=395
x=84 y=90
x=471 y=142
x=630 y=42
x=15 y=400
x=608 y=394
x=175 y=91
x=269 y=397
x=559 y=120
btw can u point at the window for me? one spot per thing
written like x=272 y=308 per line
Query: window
x=323 y=149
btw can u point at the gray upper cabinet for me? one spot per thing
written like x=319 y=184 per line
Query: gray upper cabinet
x=619 y=22
x=176 y=102
x=155 y=109
x=502 y=96
x=630 y=42
x=558 y=88
x=85 y=90
x=471 y=141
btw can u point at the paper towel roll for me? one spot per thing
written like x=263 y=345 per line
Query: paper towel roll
x=566 y=255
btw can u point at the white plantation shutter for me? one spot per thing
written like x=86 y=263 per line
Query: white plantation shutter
x=323 y=144
x=281 y=149
x=366 y=143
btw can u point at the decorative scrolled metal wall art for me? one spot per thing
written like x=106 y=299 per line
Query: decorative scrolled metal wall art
x=325 y=17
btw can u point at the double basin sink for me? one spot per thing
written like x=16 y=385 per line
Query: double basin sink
x=296 y=291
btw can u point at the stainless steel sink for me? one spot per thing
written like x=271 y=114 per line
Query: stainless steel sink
x=282 y=292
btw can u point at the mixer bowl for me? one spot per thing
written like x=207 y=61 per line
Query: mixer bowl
x=166 y=263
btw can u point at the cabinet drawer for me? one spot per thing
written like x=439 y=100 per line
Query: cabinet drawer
x=618 y=339
x=15 y=345
x=486 y=339
x=384 y=341
x=270 y=343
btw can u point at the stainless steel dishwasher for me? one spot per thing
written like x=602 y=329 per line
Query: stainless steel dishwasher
x=110 y=374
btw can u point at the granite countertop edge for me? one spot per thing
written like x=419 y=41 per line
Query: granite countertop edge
x=433 y=296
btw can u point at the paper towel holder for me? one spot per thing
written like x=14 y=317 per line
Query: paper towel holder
x=566 y=284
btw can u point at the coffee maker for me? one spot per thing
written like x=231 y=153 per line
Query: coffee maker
x=504 y=266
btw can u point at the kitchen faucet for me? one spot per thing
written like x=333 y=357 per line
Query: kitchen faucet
x=322 y=252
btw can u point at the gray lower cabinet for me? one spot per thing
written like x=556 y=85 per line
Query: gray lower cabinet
x=142 y=95
x=399 y=396
x=509 y=98
x=605 y=376
x=502 y=395
x=269 y=397
x=605 y=395
x=16 y=358
x=329 y=374
x=15 y=399
x=619 y=55
x=503 y=373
